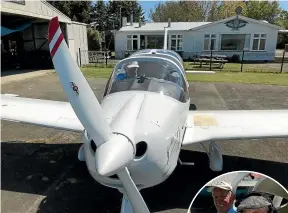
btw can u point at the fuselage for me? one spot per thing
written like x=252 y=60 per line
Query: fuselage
x=161 y=120
x=160 y=124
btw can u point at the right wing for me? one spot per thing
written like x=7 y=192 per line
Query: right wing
x=54 y=114
x=235 y=124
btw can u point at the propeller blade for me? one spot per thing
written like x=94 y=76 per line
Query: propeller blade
x=137 y=202
x=77 y=89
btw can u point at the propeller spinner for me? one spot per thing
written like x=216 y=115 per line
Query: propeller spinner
x=115 y=144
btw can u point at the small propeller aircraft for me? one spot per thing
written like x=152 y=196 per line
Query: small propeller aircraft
x=132 y=140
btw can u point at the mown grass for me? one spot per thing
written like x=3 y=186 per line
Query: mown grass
x=234 y=67
x=229 y=67
x=241 y=77
x=221 y=76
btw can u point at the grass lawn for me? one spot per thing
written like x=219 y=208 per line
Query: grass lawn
x=221 y=76
x=234 y=67
x=229 y=67
x=238 y=77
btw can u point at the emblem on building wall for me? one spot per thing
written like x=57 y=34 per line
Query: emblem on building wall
x=236 y=23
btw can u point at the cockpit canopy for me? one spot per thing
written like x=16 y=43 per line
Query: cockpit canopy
x=161 y=53
x=152 y=74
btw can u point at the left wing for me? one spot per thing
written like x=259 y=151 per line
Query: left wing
x=235 y=124
x=54 y=114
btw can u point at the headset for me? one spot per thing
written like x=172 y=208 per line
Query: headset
x=271 y=207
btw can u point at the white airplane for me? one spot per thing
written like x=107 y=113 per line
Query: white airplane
x=132 y=140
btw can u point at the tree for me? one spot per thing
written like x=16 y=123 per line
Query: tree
x=98 y=16
x=282 y=21
x=263 y=10
x=75 y=10
x=94 y=39
x=214 y=10
x=225 y=9
x=127 y=8
x=213 y=13
x=106 y=17
x=180 y=11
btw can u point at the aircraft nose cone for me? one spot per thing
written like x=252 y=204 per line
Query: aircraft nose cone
x=113 y=155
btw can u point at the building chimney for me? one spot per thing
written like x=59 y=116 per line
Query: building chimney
x=140 y=23
x=124 y=21
x=169 y=22
x=131 y=19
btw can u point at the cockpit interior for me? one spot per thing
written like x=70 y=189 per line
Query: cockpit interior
x=150 y=74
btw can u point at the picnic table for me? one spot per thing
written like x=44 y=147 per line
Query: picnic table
x=213 y=56
x=215 y=59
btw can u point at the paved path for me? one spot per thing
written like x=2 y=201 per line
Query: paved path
x=12 y=76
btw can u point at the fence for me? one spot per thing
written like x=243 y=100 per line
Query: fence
x=241 y=61
x=102 y=57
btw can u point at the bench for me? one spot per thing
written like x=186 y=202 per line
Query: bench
x=221 y=62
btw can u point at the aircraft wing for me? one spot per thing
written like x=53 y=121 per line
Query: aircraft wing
x=235 y=124
x=54 y=114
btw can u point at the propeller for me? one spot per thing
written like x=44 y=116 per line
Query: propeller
x=115 y=150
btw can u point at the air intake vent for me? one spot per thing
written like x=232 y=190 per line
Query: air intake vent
x=93 y=146
x=141 y=149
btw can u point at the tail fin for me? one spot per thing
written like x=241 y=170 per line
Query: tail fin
x=165 y=38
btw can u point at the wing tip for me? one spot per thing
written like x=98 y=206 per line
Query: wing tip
x=53 y=27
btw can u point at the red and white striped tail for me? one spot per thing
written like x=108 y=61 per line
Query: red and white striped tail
x=55 y=36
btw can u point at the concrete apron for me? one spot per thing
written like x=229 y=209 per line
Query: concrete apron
x=18 y=76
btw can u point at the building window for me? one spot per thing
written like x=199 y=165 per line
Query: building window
x=132 y=42
x=232 y=41
x=259 y=42
x=176 y=42
x=210 y=41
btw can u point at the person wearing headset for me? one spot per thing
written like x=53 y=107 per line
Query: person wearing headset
x=256 y=202
x=128 y=71
x=174 y=77
x=223 y=197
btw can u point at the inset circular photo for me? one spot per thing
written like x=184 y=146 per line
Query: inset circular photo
x=241 y=192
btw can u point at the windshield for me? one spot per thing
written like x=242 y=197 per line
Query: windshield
x=158 y=75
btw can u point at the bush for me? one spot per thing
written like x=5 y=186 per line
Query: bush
x=127 y=54
x=94 y=39
x=235 y=58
